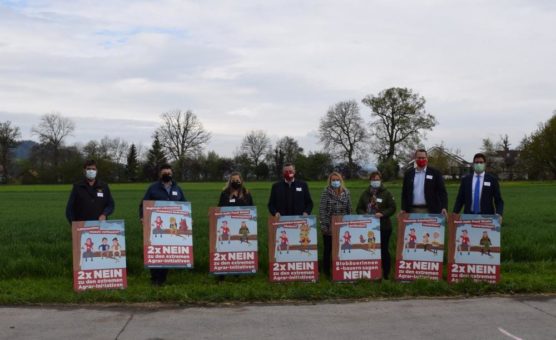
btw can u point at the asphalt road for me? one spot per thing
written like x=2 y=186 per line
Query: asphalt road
x=529 y=317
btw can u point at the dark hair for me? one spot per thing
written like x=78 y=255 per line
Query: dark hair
x=374 y=173
x=480 y=155
x=165 y=166
x=421 y=150
x=89 y=162
x=288 y=164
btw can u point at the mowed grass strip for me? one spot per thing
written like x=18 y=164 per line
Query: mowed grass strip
x=36 y=264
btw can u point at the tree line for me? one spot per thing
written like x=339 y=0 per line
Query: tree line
x=398 y=124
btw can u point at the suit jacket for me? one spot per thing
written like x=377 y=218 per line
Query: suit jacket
x=491 y=199
x=294 y=199
x=435 y=191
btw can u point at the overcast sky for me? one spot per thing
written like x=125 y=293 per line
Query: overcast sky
x=486 y=68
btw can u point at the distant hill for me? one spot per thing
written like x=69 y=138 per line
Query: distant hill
x=23 y=150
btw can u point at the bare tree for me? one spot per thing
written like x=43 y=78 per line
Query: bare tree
x=290 y=148
x=52 y=130
x=342 y=132
x=182 y=135
x=255 y=145
x=400 y=121
x=8 y=139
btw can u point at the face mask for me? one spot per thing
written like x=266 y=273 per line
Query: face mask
x=288 y=175
x=375 y=184
x=335 y=184
x=91 y=174
x=479 y=167
x=421 y=163
x=236 y=185
x=166 y=178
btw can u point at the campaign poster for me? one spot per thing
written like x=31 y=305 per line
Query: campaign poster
x=99 y=255
x=420 y=247
x=167 y=234
x=233 y=240
x=356 y=248
x=474 y=248
x=292 y=248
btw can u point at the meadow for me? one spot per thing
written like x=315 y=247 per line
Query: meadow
x=36 y=264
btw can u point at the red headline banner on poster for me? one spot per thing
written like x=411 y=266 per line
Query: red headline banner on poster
x=293 y=271
x=234 y=262
x=351 y=270
x=407 y=270
x=100 y=279
x=168 y=255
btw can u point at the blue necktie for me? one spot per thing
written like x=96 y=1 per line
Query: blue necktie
x=477 y=195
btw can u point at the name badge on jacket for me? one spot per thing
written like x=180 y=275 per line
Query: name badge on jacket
x=429 y=176
x=174 y=193
x=379 y=200
x=232 y=200
x=298 y=189
x=486 y=184
x=100 y=194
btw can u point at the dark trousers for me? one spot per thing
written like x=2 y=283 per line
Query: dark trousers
x=327 y=254
x=158 y=275
x=385 y=252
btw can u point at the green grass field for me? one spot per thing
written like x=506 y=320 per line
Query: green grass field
x=36 y=264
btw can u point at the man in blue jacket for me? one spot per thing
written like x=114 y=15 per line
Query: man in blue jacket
x=165 y=189
x=479 y=193
x=290 y=196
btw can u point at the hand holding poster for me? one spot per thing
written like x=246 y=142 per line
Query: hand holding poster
x=474 y=248
x=292 y=248
x=355 y=251
x=99 y=255
x=167 y=234
x=420 y=247
x=233 y=240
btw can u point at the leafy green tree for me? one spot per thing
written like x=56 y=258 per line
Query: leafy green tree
x=8 y=140
x=399 y=122
x=132 y=166
x=538 y=151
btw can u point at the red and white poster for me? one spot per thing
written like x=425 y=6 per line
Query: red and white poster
x=167 y=234
x=99 y=255
x=292 y=248
x=420 y=247
x=356 y=248
x=474 y=248
x=233 y=240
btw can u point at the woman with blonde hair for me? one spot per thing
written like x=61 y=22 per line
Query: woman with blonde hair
x=334 y=200
x=235 y=193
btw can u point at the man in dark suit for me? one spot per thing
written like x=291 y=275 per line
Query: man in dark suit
x=290 y=196
x=479 y=193
x=423 y=188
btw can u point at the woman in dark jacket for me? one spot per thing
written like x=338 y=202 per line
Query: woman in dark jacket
x=235 y=193
x=378 y=201
x=334 y=200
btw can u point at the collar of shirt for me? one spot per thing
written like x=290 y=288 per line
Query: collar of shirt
x=420 y=171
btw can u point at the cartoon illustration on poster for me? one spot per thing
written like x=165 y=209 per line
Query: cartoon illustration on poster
x=356 y=248
x=233 y=240
x=420 y=246
x=99 y=255
x=292 y=248
x=167 y=234
x=474 y=248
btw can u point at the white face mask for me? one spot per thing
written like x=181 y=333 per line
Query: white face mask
x=90 y=174
x=375 y=184
x=335 y=184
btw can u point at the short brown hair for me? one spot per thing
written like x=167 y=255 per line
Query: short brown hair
x=375 y=173
x=480 y=155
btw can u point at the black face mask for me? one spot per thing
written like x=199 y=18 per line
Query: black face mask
x=235 y=185
x=166 y=178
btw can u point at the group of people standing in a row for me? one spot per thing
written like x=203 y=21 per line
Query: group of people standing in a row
x=423 y=191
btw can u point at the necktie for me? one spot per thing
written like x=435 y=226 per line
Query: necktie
x=477 y=195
